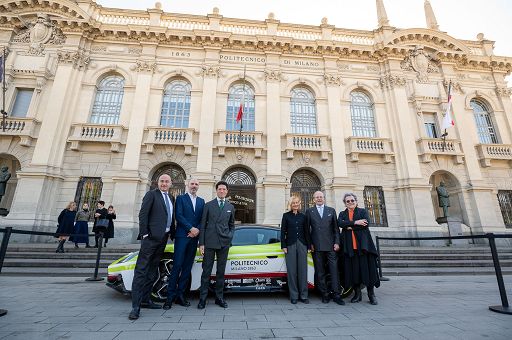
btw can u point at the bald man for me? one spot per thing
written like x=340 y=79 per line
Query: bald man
x=156 y=225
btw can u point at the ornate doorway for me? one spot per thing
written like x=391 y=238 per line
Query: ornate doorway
x=304 y=184
x=178 y=177
x=242 y=194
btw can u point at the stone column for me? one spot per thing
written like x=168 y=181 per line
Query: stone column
x=413 y=189
x=126 y=198
x=274 y=183
x=42 y=178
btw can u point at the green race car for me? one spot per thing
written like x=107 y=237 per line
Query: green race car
x=255 y=263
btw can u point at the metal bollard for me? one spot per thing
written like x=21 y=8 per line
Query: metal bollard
x=5 y=243
x=98 y=256
x=504 y=308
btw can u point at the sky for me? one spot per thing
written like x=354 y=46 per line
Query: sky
x=460 y=19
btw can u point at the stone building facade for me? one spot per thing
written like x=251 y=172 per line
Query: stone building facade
x=100 y=101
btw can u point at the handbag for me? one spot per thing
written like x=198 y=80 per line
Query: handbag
x=102 y=223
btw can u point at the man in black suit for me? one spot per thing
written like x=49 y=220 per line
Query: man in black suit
x=156 y=225
x=217 y=230
x=325 y=237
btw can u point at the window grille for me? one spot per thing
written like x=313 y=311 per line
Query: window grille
x=88 y=191
x=303 y=111
x=175 y=111
x=108 y=101
x=177 y=175
x=304 y=184
x=363 y=120
x=505 y=201
x=374 y=203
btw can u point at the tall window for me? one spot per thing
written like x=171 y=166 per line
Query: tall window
x=505 y=200
x=303 y=111
x=235 y=96
x=361 y=110
x=107 y=104
x=483 y=121
x=176 y=105
x=88 y=191
x=374 y=203
x=430 y=125
x=304 y=185
x=22 y=102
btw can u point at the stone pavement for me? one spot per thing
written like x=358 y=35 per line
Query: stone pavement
x=447 y=307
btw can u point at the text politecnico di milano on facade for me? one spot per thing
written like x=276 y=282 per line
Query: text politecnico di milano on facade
x=101 y=101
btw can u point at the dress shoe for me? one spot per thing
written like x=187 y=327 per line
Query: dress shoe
x=76 y=245
x=293 y=301
x=134 y=314
x=167 y=305
x=305 y=301
x=201 y=304
x=180 y=300
x=338 y=300
x=87 y=246
x=357 y=296
x=150 y=305
x=373 y=300
x=221 y=302
x=325 y=299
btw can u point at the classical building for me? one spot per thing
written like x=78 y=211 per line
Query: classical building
x=101 y=101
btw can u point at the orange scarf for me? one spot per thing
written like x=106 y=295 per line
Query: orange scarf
x=351 y=218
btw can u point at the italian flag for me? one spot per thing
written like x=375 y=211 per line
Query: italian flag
x=448 y=119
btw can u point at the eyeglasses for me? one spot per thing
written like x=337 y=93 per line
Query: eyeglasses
x=350 y=201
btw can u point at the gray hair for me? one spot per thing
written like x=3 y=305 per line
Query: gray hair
x=348 y=194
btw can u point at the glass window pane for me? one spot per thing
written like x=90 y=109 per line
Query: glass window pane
x=483 y=121
x=375 y=205
x=22 y=102
x=235 y=97
x=108 y=101
x=361 y=109
x=176 y=105
x=303 y=111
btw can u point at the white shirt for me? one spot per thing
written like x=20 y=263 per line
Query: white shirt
x=193 y=199
x=168 y=228
x=221 y=199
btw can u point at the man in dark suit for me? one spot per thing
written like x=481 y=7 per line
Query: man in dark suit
x=325 y=237
x=156 y=225
x=218 y=228
x=189 y=210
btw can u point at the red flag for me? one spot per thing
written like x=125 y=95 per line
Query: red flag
x=240 y=111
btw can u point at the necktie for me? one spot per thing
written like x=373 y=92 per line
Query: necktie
x=168 y=206
x=321 y=211
x=221 y=204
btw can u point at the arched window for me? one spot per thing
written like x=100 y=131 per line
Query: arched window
x=303 y=111
x=177 y=175
x=176 y=105
x=108 y=100
x=235 y=97
x=304 y=185
x=483 y=121
x=361 y=111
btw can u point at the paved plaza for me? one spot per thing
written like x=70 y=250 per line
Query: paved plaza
x=447 y=307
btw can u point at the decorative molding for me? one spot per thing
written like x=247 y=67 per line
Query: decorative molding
x=39 y=33
x=421 y=62
x=273 y=75
x=144 y=66
x=79 y=59
x=210 y=71
x=392 y=80
x=240 y=154
x=306 y=157
x=503 y=91
x=456 y=86
x=332 y=79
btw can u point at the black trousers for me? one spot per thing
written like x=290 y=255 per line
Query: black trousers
x=146 y=269
x=326 y=260
x=208 y=261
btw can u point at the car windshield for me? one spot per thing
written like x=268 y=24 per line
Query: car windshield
x=255 y=236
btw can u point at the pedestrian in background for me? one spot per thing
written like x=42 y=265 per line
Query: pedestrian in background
x=360 y=254
x=81 y=230
x=111 y=216
x=100 y=222
x=295 y=243
x=66 y=225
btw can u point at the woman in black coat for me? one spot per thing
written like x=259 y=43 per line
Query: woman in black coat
x=359 y=252
x=66 y=225
x=111 y=216
x=100 y=214
x=295 y=243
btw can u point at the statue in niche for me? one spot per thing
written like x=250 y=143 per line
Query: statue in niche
x=443 y=197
